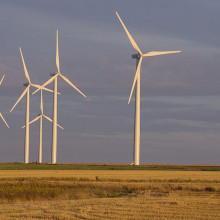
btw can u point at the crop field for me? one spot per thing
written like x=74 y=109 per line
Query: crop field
x=109 y=194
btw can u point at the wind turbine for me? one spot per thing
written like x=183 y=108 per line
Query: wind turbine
x=54 y=78
x=139 y=57
x=40 y=117
x=0 y=112
x=27 y=93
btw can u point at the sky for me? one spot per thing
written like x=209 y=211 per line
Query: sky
x=180 y=93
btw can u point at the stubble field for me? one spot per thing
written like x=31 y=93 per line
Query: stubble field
x=109 y=194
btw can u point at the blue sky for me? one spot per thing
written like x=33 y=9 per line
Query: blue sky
x=180 y=93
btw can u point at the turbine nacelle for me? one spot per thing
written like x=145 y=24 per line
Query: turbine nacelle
x=26 y=84
x=53 y=74
x=136 y=56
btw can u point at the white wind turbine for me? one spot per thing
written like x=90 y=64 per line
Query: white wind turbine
x=27 y=93
x=139 y=57
x=54 y=78
x=40 y=117
x=0 y=112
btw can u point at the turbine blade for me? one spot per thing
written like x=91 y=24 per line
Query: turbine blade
x=19 y=99
x=41 y=102
x=3 y=119
x=135 y=46
x=2 y=79
x=156 y=53
x=35 y=119
x=41 y=87
x=135 y=78
x=71 y=84
x=60 y=126
x=57 y=55
x=25 y=68
x=49 y=119
x=46 y=83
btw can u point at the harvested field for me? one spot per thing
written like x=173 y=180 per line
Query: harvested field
x=109 y=194
x=112 y=174
x=141 y=206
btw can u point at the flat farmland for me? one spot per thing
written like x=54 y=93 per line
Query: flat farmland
x=113 y=174
x=109 y=194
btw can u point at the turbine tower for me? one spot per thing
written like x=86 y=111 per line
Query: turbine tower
x=54 y=78
x=139 y=57
x=27 y=93
x=0 y=112
x=40 y=117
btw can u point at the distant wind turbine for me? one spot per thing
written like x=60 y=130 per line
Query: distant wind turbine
x=139 y=57
x=0 y=112
x=40 y=117
x=54 y=78
x=27 y=93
